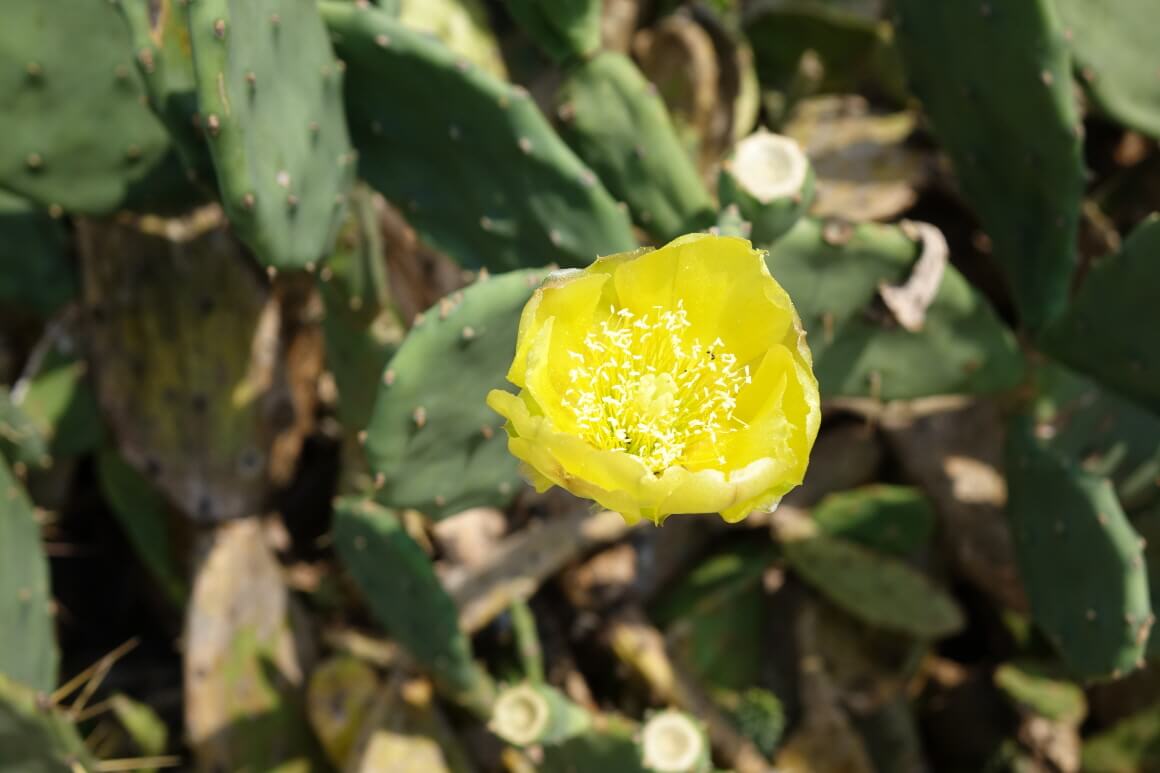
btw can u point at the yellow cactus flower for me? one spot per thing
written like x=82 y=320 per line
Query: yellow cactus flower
x=665 y=381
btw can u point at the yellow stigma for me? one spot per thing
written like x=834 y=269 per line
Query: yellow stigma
x=643 y=385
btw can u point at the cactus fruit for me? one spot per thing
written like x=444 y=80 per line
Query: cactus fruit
x=29 y=653
x=570 y=30
x=35 y=737
x=400 y=586
x=1116 y=57
x=874 y=587
x=339 y=699
x=897 y=520
x=528 y=714
x=673 y=742
x=1099 y=333
x=472 y=162
x=283 y=156
x=1080 y=559
x=995 y=80
x=771 y=182
x=615 y=121
x=76 y=134
x=834 y=273
x=35 y=272
x=432 y=438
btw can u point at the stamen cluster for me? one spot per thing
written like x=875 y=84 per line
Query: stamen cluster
x=643 y=385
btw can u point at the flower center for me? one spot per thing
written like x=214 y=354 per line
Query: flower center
x=644 y=385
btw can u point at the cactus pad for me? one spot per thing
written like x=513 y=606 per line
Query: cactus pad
x=21 y=441
x=472 y=162
x=874 y=587
x=76 y=134
x=1081 y=561
x=270 y=95
x=833 y=272
x=399 y=584
x=437 y=445
x=35 y=272
x=614 y=120
x=1113 y=43
x=897 y=520
x=28 y=654
x=569 y=30
x=1100 y=333
x=37 y=738
x=995 y=80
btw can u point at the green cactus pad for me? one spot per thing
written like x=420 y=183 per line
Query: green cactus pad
x=564 y=29
x=35 y=271
x=1100 y=333
x=143 y=514
x=1132 y=745
x=1105 y=434
x=400 y=587
x=898 y=520
x=770 y=181
x=1035 y=687
x=28 y=652
x=714 y=617
x=995 y=80
x=874 y=587
x=472 y=162
x=60 y=402
x=21 y=440
x=833 y=272
x=76 y=132
x=159 y=30
x=1113 y=43
x=1080 y=560
x=270 y=94
x=37 y=738
x=432 y=438
x=608 y=746
x=614 y=120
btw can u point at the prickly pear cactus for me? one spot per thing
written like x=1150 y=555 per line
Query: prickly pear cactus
x=614 y=120
x=995 y=81
x=770 y=181
x=1099 y=333
x=159 y=30
x=400 y=586
x=21 y=441
x=37 y=738
x=874 y=587
x=1081 y=561
x=35 y=272
x=834 y=272
x=269 y=90
x=183 y=337
x=565 y=30
x=898 y=520
x=28 y=654
x=76 y=134
x=472 y=162
x=432 y=438
x=1113 y=43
